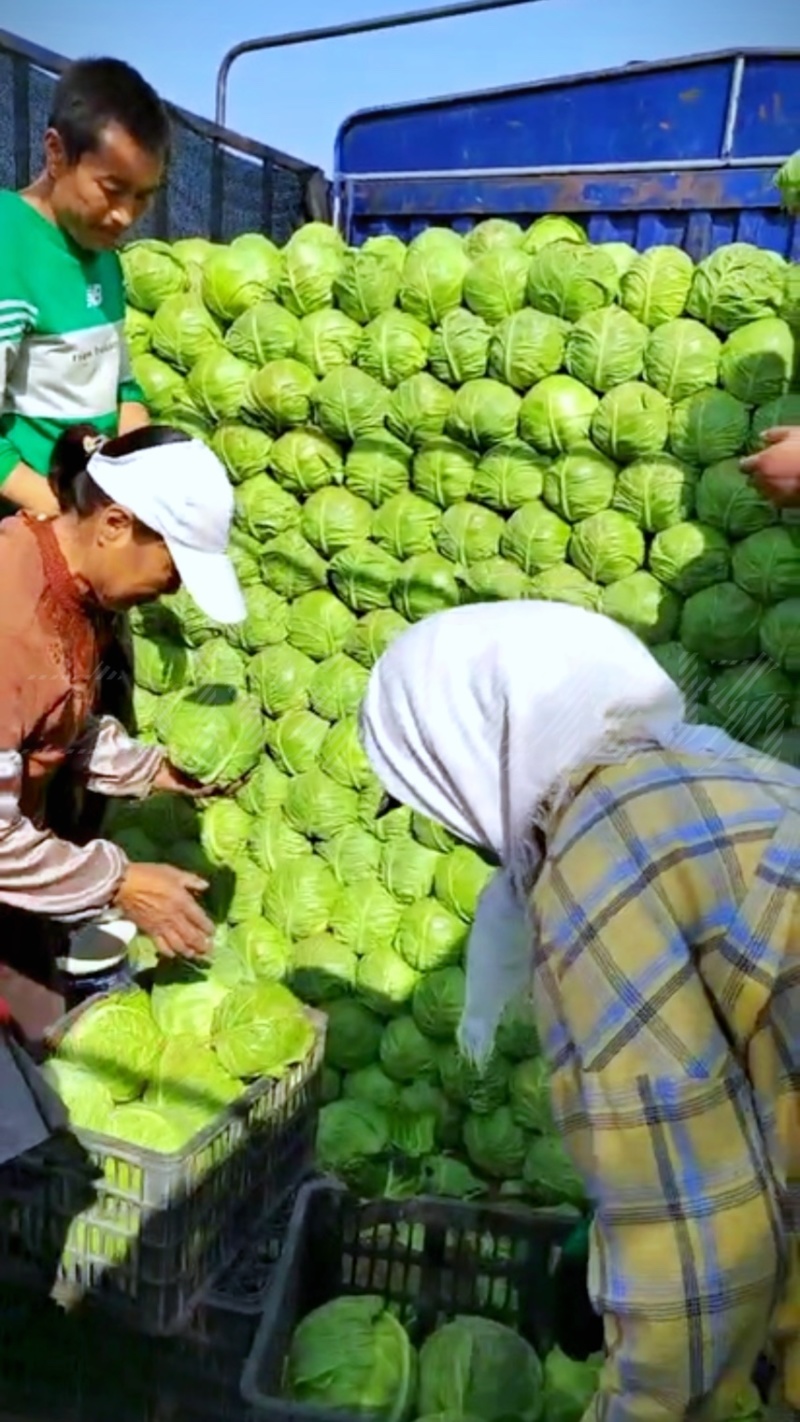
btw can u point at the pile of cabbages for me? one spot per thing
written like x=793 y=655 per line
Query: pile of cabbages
x=501 y=414
x=355 y=1357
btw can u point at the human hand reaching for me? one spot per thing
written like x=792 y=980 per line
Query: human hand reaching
x=162 y=902
x=173 y=780
x=170 y=779
x=776 y=468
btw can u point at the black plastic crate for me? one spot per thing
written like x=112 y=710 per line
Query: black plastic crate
x=226 y=1319
x=431 y=1258
x=242 y=1287
x=82 y=1367
x=48 y=1358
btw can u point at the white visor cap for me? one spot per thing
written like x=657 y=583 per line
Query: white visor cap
x=181 y=492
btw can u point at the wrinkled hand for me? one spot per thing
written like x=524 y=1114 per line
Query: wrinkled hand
x=776 y=469
x=161 y=901
x=168 y=778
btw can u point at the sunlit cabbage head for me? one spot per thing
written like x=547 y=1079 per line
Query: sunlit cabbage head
x=183 y=330
x=418 y=408
x=557 y=414
x=85 y=1096
x=117 y=1040
x=433 y=281
x=736 y=284
x=261 y=1029
x=216 y=735
x=366 y=283
x=570 y=279
x=460 y=348
x=263 y=333
x=184 y=999
x=495 y=284
x=235 y=278
x=189 y=1081
x=152 y=272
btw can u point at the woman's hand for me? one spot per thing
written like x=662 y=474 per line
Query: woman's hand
x=162 y=902
x=776 y=469
x=170 y=779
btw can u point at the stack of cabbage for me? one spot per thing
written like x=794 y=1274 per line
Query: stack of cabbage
x=354 y=1356
x=503 y=415
x=155 y=1070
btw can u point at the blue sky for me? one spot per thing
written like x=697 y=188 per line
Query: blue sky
x=296 y=99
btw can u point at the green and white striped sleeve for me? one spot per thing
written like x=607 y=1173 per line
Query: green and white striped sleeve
x=17 y=318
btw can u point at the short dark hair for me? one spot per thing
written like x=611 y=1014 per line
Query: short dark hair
x=94 y=93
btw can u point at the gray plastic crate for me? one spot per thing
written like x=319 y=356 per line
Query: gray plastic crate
x=147 y=1233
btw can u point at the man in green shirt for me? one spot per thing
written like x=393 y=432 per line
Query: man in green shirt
x=63 y=358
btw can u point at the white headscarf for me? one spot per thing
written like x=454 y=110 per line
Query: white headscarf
x=476 y=716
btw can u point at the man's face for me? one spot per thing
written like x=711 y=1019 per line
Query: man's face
x=99 y=198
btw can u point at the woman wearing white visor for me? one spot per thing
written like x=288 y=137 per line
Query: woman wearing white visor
x=140 y=515
x=649 y=899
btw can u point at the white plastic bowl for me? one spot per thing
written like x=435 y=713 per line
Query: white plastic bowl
x=97 y=946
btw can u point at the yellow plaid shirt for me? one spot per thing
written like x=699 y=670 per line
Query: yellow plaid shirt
x=667 y=984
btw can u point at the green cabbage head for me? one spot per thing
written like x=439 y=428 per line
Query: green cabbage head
x=85 y=1096
x=570 y=280
x=758 y=361
x=189 y=1081
x=682 y=357
x=736 y=284
x=366 y=284
x=656 y=286
x=433 y=280
x=474 y=1366
x=607 y=546
x=460 y=348
x=557 y=414
x=152 y=272
x=183 y=330
x=606 y=347
x=353 y=1355
x=569 y=1385
x=235 y=278
x=216 y=734
x=261 y=1029
x=116 y=1040
x=184 y=1000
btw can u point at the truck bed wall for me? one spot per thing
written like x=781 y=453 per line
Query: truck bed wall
x=680 y=152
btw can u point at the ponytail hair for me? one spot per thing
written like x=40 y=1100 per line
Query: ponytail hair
x=69 y=477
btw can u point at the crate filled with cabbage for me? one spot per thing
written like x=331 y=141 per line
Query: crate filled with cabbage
x=195 y=1108
x=505 y=413
x=391 y=1312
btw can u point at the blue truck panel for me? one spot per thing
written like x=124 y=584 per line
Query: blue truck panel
x=683 y=152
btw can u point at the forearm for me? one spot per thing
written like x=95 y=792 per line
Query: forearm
x=45 y=875
x=29 y=490
x=133 y=415
x=112 y=763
